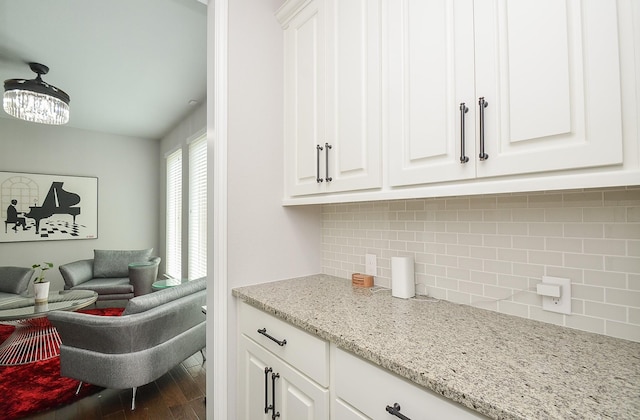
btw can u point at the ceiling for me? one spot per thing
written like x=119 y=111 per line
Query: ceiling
x=131 y=67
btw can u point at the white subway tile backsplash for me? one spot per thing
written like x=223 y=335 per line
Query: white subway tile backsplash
x=628 y=298
x=490 y=251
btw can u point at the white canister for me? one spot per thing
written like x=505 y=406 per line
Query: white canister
x=403 y=284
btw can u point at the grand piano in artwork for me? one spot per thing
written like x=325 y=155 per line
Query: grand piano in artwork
x=57 y=201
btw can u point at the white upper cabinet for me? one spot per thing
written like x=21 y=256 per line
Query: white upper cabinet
x=332 y=96
x=430 y=75
x=547 y=70
x=550 y=72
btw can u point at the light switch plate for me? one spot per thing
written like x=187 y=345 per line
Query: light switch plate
x=561 y=304
x=370 y=265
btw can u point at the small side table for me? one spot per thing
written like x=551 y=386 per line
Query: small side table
x=137 y=277
x=165 y=284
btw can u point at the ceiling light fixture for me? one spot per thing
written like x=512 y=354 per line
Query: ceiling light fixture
x=35 y=100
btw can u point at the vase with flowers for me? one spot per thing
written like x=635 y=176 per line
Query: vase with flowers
x=40 y=283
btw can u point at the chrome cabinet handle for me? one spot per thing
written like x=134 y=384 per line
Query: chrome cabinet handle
x=463 y=110
x=318 y=150
x=263 y=331
x=267 y=407
x=482 y=104
x=327 y=146
x=395 y=411
x=274 y=414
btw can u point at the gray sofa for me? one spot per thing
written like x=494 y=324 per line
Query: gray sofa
x=110 y=274
x=155 y=333
x=14 y=280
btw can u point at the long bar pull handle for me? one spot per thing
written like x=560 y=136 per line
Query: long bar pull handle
x=463 y=110
x=263 y=331
x=274 y=414
x=395 y=411
x=482 y=104
x=318 y=150
x=267 y=407
x=327 y=146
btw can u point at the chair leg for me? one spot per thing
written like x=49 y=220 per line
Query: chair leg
x=79 y=386
x=204 y=356
x=133 y=398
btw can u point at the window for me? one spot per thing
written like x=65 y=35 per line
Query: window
x=198 y=208
x=174 y=214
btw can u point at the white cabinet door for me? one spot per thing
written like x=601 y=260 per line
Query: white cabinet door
x=280 y=388
x=353 y=113
x=333 y=97
x=304 y=98
x=254 y=397
x=549 y=71
x=430 y=74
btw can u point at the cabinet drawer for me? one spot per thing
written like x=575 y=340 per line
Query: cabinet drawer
x=370 y=389
x=305 y=352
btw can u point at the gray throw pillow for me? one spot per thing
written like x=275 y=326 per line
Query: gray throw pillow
x=115 y=263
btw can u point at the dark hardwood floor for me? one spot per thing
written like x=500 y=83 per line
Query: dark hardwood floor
x=180 y=394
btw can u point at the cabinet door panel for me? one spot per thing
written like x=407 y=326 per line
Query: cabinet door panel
x=430 y=72
x=304 y=98
x=353 y=94
x=549 y=71
x=251 y=382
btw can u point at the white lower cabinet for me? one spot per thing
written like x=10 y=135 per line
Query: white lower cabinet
x=365 y=391
x=283 y=371
x=272 y=389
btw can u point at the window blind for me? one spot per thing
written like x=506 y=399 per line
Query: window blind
x=174 y=214
x=197 y=251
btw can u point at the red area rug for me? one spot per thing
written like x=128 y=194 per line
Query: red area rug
x=35 y=387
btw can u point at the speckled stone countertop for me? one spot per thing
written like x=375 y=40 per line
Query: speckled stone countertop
x=503 y=366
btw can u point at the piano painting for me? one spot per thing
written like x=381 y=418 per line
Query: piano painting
x=41 y=207
x=57 y=201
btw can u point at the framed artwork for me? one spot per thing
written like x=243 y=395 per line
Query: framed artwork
x=40 y=207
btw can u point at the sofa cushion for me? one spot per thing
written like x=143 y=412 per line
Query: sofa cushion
x=107 y=286
x=144 y=303
x=15 y=279
x=115 y=263
x=76 y=272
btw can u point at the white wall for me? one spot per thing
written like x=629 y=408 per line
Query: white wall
x=265 y=241
x=188 y=129
x=127 y=171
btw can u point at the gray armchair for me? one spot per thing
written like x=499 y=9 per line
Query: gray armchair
x=113 y=274
x=14 y=280
x=155 y=333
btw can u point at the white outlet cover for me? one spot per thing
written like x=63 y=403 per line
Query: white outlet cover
x=561 y=304
x=370 y=264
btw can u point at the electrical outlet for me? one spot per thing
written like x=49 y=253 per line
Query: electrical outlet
x=370 y=265
x=560 y=304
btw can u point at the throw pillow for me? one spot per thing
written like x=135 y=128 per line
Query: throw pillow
x=115 y=263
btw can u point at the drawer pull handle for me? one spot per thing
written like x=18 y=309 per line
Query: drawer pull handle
x=482 y=104
x=318 y=150
x=263 y=331
x=274 y=414
x=327 y=147
x=267 y=407
x=463 y=110
x=395 y=411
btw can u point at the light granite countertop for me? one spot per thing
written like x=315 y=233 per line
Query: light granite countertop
x=503 y=366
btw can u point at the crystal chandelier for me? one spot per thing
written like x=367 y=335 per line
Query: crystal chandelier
x=35 y=100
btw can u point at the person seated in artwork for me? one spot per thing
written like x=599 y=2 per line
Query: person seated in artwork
x=12 y=216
